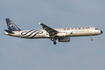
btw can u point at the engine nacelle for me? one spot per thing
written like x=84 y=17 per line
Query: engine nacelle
x=64 y=40
x=61 y=34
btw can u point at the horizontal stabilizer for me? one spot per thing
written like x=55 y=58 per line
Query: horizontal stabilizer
x=9 y=31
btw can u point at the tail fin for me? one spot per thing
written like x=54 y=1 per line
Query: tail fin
x=11 y=25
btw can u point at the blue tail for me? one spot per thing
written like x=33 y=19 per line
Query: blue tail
x=11 y=25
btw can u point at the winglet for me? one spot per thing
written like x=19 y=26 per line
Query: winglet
x=39 y=23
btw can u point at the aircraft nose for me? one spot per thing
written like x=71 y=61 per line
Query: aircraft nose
x=101 y=31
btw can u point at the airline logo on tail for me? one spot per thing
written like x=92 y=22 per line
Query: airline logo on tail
x=11 y=25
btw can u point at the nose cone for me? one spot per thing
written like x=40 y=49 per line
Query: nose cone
x=101 y=31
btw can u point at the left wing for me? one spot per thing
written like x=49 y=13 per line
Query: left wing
x=52 y=32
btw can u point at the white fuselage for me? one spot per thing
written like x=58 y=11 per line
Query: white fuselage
x=63 y=32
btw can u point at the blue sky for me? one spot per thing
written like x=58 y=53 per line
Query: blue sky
x=41 y=54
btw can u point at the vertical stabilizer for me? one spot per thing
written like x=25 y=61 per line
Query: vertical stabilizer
x=11 y=25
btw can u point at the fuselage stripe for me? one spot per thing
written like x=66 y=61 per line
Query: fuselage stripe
x=35 y=34
x=38 y=32
x=26 y=32
x=32 y=33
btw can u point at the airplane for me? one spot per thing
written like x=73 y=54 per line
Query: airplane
x=61 y=34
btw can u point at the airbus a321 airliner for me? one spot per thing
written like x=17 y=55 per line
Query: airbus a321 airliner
x=61 y=34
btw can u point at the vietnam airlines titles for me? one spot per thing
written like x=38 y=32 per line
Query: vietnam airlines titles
x=61 y=34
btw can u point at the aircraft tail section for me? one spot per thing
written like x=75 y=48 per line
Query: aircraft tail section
x=11 y=25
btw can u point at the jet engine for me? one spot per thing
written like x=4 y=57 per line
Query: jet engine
x=64 y=40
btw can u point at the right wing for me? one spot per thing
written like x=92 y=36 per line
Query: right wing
x=52 y=32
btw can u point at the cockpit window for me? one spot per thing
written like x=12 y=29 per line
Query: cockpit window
x=96 y=29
